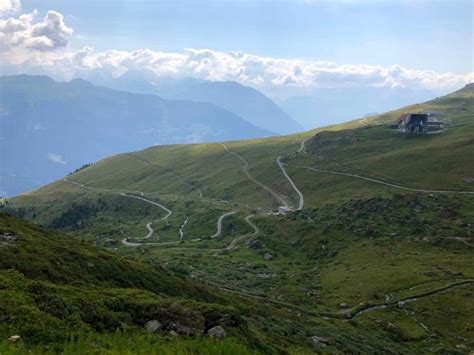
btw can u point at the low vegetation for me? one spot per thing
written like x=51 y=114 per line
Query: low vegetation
x=378 y=260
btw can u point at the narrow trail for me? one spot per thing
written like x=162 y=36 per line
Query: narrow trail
x=408 y=299
x=292 y=183
x=302 y=148
x=101 y=189
x=381 y=182
x=354 y=313
x=181 y=229
x=171 y=171
x=148 y=225
x=256 y=230
x=229 y=247
x=168 y=211
x=219 y=224
x=150 y=230
x=246 y=169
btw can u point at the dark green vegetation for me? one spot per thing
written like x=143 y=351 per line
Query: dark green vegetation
x=378 y=260
x=54 y=289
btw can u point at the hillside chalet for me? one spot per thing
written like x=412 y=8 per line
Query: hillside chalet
x=413 y=123
x=422 y=122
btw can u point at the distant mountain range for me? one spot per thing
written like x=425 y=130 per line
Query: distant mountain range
x=50 y=128
x=244 y=101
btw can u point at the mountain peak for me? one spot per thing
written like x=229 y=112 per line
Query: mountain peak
x=80 y=82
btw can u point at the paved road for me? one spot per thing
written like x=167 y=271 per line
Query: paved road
x=300 y=195
x=246 y=169
x=219 y=224
x=383 y=182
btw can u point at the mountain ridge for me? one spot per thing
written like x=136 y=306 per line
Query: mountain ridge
x=244 y=101
x=57 y=118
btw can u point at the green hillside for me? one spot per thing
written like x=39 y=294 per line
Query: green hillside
x=378 y=259
x=54 y=289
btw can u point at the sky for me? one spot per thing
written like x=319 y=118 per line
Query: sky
x=313 y=43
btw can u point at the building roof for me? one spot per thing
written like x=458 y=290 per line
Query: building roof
x=406 y=118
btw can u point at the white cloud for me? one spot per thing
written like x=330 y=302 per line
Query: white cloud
x=33 y=46
x=23 y=39
x=255 y=70
x=56 y=158
x=9 y=7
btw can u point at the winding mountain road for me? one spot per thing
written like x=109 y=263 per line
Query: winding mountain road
x=256 y=230
x=302 y=148
x=148 y=225
x=246 y=170
x=382 y=182
x=292 y=183
x=219 y=224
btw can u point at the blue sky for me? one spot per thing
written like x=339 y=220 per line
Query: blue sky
x=424 y=35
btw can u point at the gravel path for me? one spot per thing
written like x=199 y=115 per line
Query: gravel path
x=292 y=183
x=219 y=224
x=382 y=182
x=246 y=169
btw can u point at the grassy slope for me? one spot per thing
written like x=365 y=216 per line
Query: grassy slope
x=52 y=288
x=355 y=243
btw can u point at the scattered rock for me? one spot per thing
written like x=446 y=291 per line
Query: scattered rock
x=343 y=305
x=7 y=238
x=173 y=333
x=294 y=243
x=394 y=234
x=392 y=328
x=90 y=264
x=254 y=244
x=14 y=338
x=400 y=304
x=268 y=256
x=468 y=180
x=153 y=326
x=266 y=275
x=217 y=332
x=320 y=341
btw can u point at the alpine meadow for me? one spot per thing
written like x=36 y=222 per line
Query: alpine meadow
x=213 y=201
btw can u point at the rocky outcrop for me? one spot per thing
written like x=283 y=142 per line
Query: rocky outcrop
x=217 y=332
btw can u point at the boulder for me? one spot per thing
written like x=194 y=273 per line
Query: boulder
x=217 y=332
x=173 y=333
x=7 y=238
x=254 y=244
x=268 y=256
x=14 y=338
x=319 y=341
x=153 y=326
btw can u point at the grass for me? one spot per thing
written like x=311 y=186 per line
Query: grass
x=124 y=344
x=354 y=243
